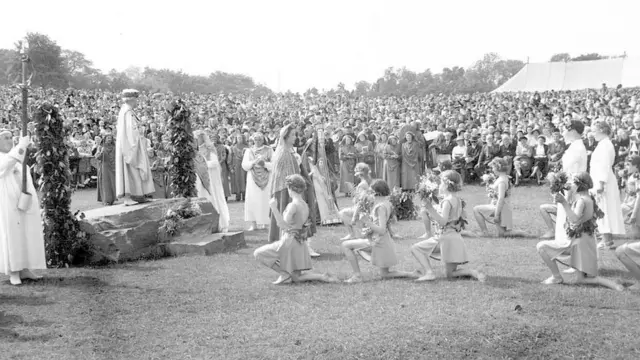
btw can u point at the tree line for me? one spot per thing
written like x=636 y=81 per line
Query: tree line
x=55 y=67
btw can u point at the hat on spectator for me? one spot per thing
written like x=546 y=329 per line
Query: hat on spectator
x=130 y=94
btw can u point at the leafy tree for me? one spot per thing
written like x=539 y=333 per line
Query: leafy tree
x=561 y=57
x=46 y=61
x=590 y=56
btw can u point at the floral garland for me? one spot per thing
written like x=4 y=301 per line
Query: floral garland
x=174 y=218
x=458 y=225
x=588 y=227
x=65 y=243
x=181 y=163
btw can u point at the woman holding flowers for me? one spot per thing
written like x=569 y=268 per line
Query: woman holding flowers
x=257 y=163
x=579 y=250
x=450 y=222
x=290 y=256
x=498 y=211
x=376 y=221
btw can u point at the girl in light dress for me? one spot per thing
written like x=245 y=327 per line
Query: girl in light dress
x=448 y=240
x=498 y=212
x=290 y=256
x=380 y=244
x=579 y=250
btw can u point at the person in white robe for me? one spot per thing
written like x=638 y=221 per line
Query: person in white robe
x=257 y=163
x=134 y=180
x=605 y=185
x=21 y=232
x=209 y=181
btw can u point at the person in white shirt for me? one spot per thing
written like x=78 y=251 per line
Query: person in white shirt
x=458 y=156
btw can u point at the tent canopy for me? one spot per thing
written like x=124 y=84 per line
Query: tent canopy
x=575 y=75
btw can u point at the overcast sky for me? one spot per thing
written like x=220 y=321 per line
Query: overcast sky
x=300 y=44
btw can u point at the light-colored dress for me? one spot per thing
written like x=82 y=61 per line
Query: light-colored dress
x=580 y=252
x=382 y=247
x=290 y=253
x=448 y=246
x=574 y=161
x=506 y=216
x=601 y=169
x=256 y=206
x=214 y=192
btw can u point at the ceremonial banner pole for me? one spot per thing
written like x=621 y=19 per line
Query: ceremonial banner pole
x=24 y=203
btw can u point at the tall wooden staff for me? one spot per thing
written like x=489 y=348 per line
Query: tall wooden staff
x=24 y=203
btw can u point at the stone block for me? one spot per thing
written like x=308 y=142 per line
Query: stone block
x=206 y=245
x=122 y=233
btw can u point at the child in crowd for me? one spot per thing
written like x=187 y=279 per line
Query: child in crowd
x=383 y=252
x=450 y=222
x=290 y=256
x=579 y=250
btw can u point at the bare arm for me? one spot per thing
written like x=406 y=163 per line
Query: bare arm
x=440 y=219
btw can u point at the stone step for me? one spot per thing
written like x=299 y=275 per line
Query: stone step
x=206 y=245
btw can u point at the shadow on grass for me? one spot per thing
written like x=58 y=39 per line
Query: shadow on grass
x=8 y=322
x=133 y=267
x=24 y=300
x=325 y=256
x=74 y=281
x=612 y=273
x=504 y=282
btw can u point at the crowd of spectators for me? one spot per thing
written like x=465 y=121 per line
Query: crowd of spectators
x=399 y=137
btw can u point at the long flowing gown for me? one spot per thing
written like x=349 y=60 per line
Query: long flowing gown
x=22 y=235
x=159 y=178
x=574 y=161
x=256 y=207
x=391 y=167
x=601 y=169
x=410 y=165
x=209 y=184
x=326 y=202
x=286 y=162
x=224 y=160
x=107 y=174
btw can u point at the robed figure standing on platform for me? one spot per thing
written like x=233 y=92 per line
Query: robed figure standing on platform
x=21 y=232
x=133 y=170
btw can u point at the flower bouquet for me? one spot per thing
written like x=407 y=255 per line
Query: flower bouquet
x=363 y=201
x=428 y=188
x=558 y=182
x=488 y=180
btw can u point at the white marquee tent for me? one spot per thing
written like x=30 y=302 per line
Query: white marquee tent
x=575 y=75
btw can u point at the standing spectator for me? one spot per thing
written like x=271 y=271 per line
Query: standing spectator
x=238 y=175
x=106 y=157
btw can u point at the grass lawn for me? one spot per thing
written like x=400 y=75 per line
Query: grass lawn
x=224 y=307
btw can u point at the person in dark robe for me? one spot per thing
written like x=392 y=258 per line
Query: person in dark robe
x=238 y=175
x=392 y=162
x=410 y=169
x=285 y=163
x=347 y=155
x=365 y=151
x=158 y=173
x=106 y=156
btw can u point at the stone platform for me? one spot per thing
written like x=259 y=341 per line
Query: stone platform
x=125 y=233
